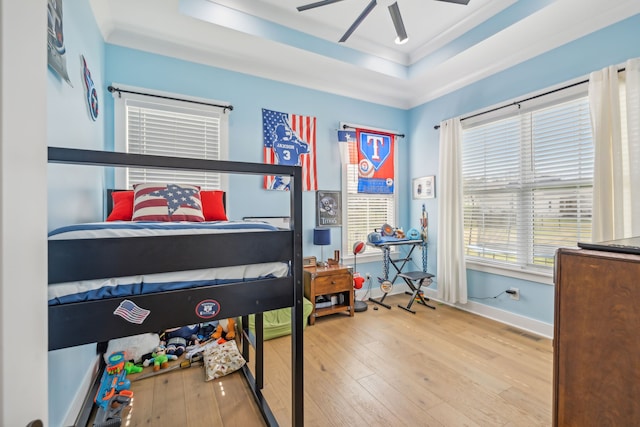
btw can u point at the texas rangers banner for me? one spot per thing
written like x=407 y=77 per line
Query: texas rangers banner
x=375 y=162
x=290 y=139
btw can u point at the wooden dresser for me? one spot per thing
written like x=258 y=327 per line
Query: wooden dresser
x=330 y=281
x=596 y=366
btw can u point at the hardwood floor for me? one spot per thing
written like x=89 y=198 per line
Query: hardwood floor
x=442 y=367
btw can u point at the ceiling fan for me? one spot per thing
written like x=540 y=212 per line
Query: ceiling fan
x=394 y=11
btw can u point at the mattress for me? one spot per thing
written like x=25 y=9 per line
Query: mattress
x=88 y=290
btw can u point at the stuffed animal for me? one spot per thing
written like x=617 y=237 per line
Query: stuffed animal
x=136 y=348
x=226 y=327
x=206 y=330
x=159 y=358
x=177 y=339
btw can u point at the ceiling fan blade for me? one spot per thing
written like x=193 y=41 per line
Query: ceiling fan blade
x=316 y=4
x=464 y=2
x=367 y=10
x=394 y=10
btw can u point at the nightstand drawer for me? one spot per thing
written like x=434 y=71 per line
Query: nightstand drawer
x=330 y=284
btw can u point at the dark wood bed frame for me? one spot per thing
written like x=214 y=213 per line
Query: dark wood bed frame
x=94 y=322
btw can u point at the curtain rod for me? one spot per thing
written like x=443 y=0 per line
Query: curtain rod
x=116 y=89
x=345 y=126
x=526 y=99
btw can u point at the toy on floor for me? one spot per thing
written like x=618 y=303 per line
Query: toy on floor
x=182 y=365
x=114 y=394
x=132 y=368
x=136 y=347
x=160 y=358
x=205 y=332
x=177 y=339
x=226 y=329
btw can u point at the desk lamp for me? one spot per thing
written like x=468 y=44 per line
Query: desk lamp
x=322 y=238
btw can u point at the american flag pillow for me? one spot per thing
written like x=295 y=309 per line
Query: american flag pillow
x=167 y=202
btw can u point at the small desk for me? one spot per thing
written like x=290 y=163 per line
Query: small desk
x=398 y=264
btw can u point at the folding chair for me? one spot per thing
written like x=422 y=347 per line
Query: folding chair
x=415 y=279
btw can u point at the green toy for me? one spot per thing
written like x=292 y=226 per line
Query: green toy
x=132 y=368
x=159 y=358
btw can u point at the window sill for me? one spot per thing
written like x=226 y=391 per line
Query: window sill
x=530 y=275
x=362 y=259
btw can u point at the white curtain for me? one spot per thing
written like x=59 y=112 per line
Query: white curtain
x=614 y=100
x=452 y=270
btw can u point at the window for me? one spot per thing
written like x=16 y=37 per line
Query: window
x=363 y=213
x=528 y=185
x=156 y=126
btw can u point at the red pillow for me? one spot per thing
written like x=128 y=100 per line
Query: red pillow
x=212 y=205
x=122 y=206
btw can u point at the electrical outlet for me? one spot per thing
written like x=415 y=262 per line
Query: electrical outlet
x=515 y=293
x=368 y=275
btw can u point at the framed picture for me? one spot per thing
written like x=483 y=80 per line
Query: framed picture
x=56 y=49
x=425 y=187
x=328 y=209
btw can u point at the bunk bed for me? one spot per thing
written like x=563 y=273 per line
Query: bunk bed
x=97 y=258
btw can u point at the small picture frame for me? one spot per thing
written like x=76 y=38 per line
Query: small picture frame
x=425 y=187
x=328 y=209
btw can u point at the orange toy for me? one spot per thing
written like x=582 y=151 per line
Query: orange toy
x=226 y=327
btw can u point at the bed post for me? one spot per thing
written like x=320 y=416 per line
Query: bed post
x=297 y=348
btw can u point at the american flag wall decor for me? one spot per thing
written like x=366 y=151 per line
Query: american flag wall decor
x=290 y=139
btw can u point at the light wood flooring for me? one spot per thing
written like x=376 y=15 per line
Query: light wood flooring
x=442 y=367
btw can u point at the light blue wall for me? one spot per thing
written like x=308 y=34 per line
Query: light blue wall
x=74 y=193
x=612 y=45
x=72 y=196
x=249 y=95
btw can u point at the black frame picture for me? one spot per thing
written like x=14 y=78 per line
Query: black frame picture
x=328 y=208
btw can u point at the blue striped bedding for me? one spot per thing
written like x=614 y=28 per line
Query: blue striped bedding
x=88 y=290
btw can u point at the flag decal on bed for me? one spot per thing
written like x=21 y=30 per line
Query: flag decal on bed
x=130 y=312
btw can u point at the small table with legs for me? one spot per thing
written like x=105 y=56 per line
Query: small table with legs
x=399 y=265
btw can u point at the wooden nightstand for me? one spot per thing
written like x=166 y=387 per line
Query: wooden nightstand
x=331 y=281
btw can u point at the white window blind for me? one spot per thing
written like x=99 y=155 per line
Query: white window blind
x=528 y=185
x=177 y=129
x=364 y=212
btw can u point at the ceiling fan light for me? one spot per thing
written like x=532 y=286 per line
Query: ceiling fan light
x=402 y=41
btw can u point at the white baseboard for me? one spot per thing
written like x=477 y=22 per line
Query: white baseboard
x=508 y=318
x=83 y=390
